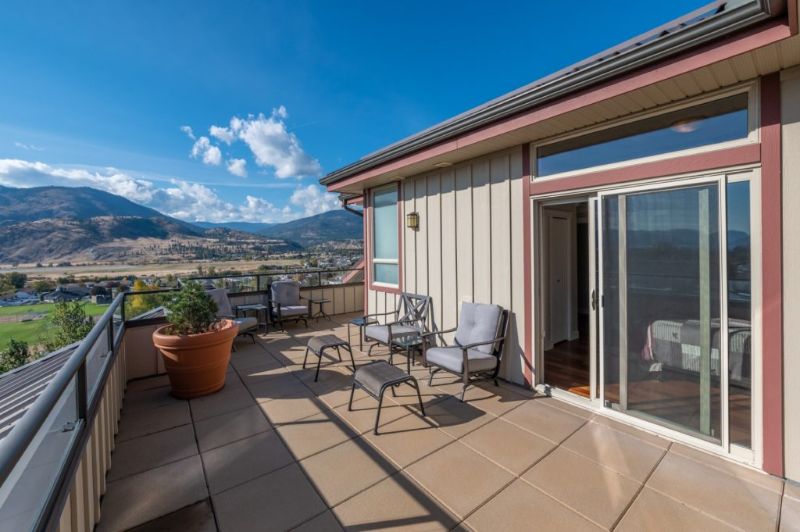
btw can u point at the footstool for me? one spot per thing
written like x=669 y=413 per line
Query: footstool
x=375 y=378
x=319 y=344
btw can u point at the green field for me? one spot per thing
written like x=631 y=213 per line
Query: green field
x=34 y=332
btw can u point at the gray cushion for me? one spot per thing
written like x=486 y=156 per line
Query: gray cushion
x=478 y=322
x=452 y=358
x=220 y=297
x=374 y=376
x=246 y=324
x=293 y=310
x=286 y=292
x=381 y=332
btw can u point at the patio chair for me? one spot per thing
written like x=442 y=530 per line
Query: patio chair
x=286 y=303
x=247 y=326
x=477 y=347
x=410 y=318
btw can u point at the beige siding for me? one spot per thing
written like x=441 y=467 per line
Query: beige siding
x=790 y=106
x=469 y=243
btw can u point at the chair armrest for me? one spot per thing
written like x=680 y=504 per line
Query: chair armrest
x=438 y=332
x=379 y=314
x=467 y=347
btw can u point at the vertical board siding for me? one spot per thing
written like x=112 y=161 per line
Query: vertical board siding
x=469 y=246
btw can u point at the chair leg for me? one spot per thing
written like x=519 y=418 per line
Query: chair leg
x=378 y=415
x=339 y=353
x=419 y=396
x=305 y=358
x=369 y=353
x=352 y=391
x=430 y=378
x=352 y=360
x=466 y=384
x=319 y=363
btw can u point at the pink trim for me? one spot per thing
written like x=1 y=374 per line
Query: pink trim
x=355 y=201
x=772 y=272
x=792 y=16
x=527 y=268
x=350 y=275
x=693 y=60
x=747 y=154
x=379 y=288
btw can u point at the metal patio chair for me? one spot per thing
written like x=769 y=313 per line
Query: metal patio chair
x=247 y=325
x=477 y=348
x=410 y=318
x=287 y=304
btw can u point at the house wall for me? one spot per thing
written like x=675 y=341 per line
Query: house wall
x=790 y=119
x=469 y=245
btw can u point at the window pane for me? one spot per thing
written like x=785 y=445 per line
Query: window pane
x=661 y=286
x=385 y=224
x=739 y=312
x=710 y=123
x=386 y=273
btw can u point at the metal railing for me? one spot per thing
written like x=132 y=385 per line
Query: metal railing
x=81 y=378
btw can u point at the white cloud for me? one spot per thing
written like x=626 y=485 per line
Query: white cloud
x=24 y=146
x=178 y=198
x=188 y=131
x=203 y=149
x=314 y=200
x=223 y=134
x=271 y=143
x=237 y=167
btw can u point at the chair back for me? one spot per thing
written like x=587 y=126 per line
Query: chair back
x=479 y=322
x=414 y=309
x=285 y=292
x=220 y=297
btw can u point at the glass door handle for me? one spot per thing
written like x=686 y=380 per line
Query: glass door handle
x=594 y=300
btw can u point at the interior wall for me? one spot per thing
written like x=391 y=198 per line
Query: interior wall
x=790 y=134
x=572 y=211
x=468 y=246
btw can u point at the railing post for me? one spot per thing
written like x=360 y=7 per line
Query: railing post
x=319 y=278
x=81 y=393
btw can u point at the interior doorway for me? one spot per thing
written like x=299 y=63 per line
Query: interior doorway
x=566 y=283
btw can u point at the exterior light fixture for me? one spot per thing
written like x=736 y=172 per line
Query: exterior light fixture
x=687 y=125
x=443 y=164
x=412 y=220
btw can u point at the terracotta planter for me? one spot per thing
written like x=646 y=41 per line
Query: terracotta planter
x=196 y=363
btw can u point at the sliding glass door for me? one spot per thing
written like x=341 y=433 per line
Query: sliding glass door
x=664 y=329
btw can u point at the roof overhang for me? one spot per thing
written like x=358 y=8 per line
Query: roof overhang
x=692 y=32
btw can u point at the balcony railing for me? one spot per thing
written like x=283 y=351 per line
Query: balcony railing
x=59 y=414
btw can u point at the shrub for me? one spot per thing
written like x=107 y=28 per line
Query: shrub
x=15 y=355
x=70 y=324
x=191 y=310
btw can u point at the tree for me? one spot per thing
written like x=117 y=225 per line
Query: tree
x=70 y=324
x=15 y=355
x=139 y=304
x=43 y=285
x=17 y=279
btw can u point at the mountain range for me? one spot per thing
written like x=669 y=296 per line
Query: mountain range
x=83 y=224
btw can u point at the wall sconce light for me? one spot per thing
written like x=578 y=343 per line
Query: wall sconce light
x=412 y=220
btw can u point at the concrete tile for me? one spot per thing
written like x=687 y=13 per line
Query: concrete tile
x=459 y=477
x=147 y=383
x=147 y=421
x=617 y=450
x=277 y=385
x=731 y=468
x=149 y=399
x=222 y=402
x=395 y=503
x=132 y=501
x=293 y=407
x=344 y=470
x=408 y=439
x=652 y=439
x=551 y=423
x=220 y=430
x=569 y=408
x=314 y=434
x=737 y=502
x=596 y=492
x=362 y=417
x=198 y=517
x=792 y=489
x=325 y=522
x=243 y=460
x=654 y=511
x=457 y=418
x=277 y=501
x=790 y=514
x=493 y=399
x=522 y=507
x=154 y=450
x=508 y=445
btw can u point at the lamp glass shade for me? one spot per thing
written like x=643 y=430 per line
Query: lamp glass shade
x=412 y=220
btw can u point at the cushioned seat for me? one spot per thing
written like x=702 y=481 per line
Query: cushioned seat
x=246 y=324
x=294 y=310
x=452 y=359
x=286 y=304
x=381 y=332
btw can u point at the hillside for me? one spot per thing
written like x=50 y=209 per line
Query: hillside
x=329 y=226
x=245 y=227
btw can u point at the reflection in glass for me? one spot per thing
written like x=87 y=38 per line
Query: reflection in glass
x=702 y=125
x=661 y=316
x=385 y=248
x=739 y=311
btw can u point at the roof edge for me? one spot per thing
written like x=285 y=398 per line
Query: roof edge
x=711 y=22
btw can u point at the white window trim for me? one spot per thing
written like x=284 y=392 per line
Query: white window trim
x=751 y=88
x=374 y=260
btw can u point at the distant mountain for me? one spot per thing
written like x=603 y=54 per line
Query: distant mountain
x=246 y=227
x=326 y=227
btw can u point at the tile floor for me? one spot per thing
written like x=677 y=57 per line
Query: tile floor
x=277 y=451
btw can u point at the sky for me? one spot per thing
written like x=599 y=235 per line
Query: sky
x=232 y=111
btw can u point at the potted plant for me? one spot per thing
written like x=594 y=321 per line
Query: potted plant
x=196 y=345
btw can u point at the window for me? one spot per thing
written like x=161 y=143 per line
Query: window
x=385 y=244
x=722 y=120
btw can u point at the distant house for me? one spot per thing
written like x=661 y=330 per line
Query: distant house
x=101 y=299
x=62 y=294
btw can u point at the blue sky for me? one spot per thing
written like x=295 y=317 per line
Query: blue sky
x=123 y=95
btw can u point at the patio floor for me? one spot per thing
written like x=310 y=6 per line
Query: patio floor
x=275 y=451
